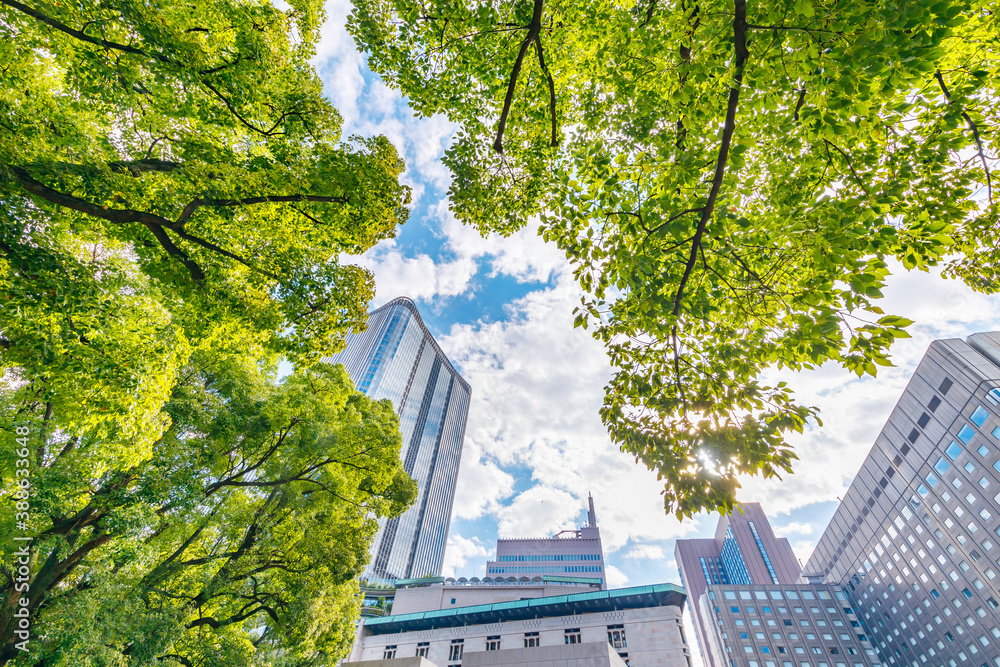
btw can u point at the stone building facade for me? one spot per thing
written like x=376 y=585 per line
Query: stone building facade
x=641 y=624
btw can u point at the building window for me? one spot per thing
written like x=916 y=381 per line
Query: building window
x=979 y=416
x=531 y=639
x=493 y=643
x=616 y=636
x=456 y=649
x=994 y=396
x=572 y=636
x=422 y=648
x=389 y=652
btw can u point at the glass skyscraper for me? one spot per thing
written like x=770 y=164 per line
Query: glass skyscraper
x=397 y=358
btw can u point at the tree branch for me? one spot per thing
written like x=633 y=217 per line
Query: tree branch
x=740 y=59
x=552 y=89
x=62 y=27
x=137 y=167
x=850 y=165
x=160 y=235
x=650 y=232
x=116 y=215
x=247 y=201
x=212 y=488
x=222 y=251
x=236 y=114
x=798 y=105
x=975 y=134
x=796 y=28
x=534 y=29
x=649 y=12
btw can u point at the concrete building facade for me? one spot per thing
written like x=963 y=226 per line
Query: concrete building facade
x=744 y=551
x=751 y=609
x=397 y=358
x=540 y=627
x=916 y=541
x=576 y=553
x=791 y=625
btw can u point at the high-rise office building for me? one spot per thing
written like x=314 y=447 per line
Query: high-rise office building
x=397 y=358
x=571 y=553
x=915 y=542
x=751 y=609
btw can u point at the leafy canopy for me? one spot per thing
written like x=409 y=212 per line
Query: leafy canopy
x=171 y=176
x=174 y=199
x=731 y=181
x=237 y=542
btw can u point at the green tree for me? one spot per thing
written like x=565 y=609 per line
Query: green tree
x=175 y=195
x=730 y=180
x=171 y=176
x=238 y=542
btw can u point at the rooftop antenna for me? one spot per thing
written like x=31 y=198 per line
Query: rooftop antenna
x=591 y=514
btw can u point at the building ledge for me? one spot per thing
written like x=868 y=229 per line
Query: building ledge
x=637 y=597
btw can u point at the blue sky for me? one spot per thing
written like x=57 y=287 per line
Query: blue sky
x=502 y=311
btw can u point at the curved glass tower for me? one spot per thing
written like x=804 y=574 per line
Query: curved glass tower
x=397 y=358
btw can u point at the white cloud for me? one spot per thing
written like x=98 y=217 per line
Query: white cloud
x=537 y=388
x=483 y=484
x=523 y=256
x=370 y=108
x=646 y=551
x=538 y=512
x=339 y=62
x=615 y=577
x=794 y=527
x=460 y=551
x=417 y=277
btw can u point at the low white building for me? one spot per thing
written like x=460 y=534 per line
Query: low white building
x=528 y=625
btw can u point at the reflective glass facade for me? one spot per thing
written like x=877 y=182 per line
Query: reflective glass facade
x=732 y=560
x=398 y=359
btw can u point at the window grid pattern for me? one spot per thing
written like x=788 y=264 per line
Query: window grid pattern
x=921 y=566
